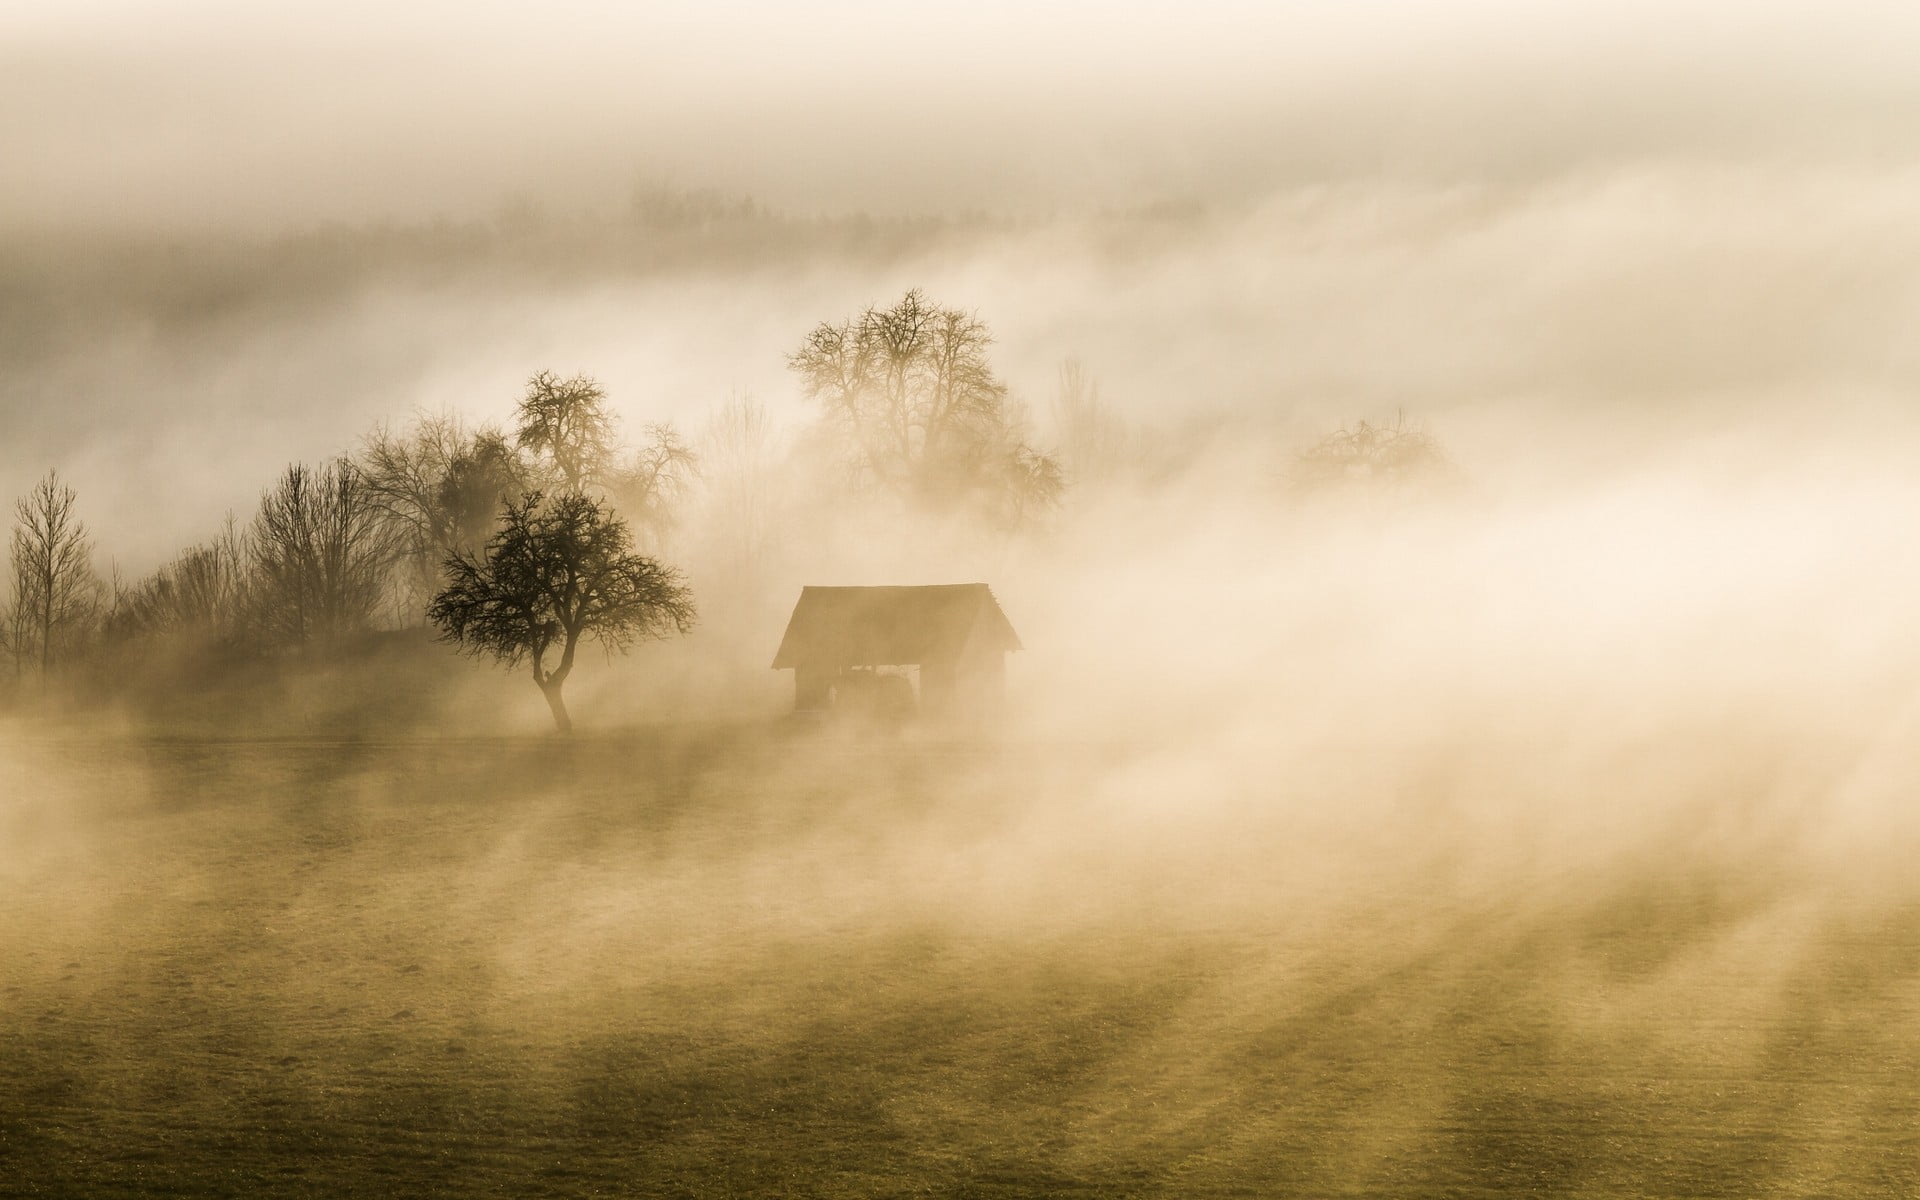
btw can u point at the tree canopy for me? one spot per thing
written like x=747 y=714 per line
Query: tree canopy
x=566 y=425
x=911 y=399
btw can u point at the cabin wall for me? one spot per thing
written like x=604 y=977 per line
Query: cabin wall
x=810 y=687
x=974 y=684
x=980 y=681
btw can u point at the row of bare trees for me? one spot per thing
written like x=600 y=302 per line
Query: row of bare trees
x=337 y=549
x=309 y=572
x=910 y=417
x=910 y=411
x=440 y=486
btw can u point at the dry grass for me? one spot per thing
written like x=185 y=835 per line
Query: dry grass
x=719 y=961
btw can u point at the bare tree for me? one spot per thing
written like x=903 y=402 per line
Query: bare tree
x=1393 y=456
x=480 y=480
x=913 y=403
x=402 y=473
x=741 y=498
x=649 y=490
x=1094 y=443
x=572 y=436
x=17 y=628
x=320 y=550
x=558 y=571
x=55 y=591
x=566 y=425
x=438 y=487
x=201 y=596
x=1030 y=485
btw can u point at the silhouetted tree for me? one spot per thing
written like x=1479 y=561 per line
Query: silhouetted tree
x=1030 y=484
x=55 y=591
x=1391 y=456
x=201 y=596
x=438 y=487
x=17 y=629
x=320 y=546
x=558 y=570
x=573 y=439
x=483 y=477
x=566 y=425
x=403 y=473
x=915 y=407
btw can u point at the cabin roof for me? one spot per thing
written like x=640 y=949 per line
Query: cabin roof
x=892 y=626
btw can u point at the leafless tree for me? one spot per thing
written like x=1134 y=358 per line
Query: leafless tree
x=55 y=591
x=1094 y=444
x=650 y=488
x=1391 y=456
x=201 y=596
x=17 y=627
x=914 y=405
x=437 y=486
x=481 y=478
x=1030 y=485
x=566 y=425
x=742 y=497
x=556 y=572
x=402 y=473
x=573 y=439
x=320 y=551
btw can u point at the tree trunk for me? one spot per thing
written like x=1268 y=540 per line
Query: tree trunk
x=551 y=690
x=46 y=629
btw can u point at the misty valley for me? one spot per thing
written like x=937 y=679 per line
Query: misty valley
x=1308 y=601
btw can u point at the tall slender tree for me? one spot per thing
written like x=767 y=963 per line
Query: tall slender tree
x=741 y=497
x=200 y=597
x=320 y=552
x=55 y=591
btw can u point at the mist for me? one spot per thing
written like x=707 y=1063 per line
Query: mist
x=1528 y=816
x=211 y=113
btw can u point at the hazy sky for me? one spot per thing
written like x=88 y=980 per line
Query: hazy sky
x=1507 y=219
x=208 y=111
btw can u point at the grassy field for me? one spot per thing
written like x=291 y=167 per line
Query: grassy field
x=752 y=961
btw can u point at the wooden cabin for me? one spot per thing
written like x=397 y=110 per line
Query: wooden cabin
x=842 y=641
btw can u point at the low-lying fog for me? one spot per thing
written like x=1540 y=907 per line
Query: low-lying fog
x=1318 y=816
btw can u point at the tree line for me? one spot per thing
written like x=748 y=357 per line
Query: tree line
x=519 y=543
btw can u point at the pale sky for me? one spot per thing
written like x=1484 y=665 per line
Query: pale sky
x=1498 y=216
x=213 y=113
